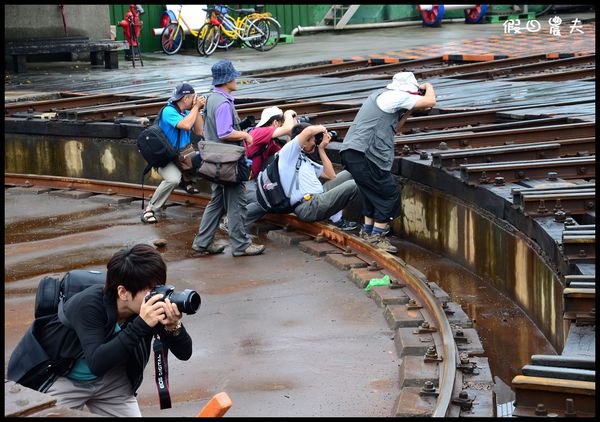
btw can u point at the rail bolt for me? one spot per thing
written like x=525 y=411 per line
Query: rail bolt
x=569 y=221
x=552 y=175
x=570 y=408
x=443 y=146
x=348 y=252
x=540 y=410
x=499 y=181
x=589 y=205
x=464 y=358
x=428 y=387
x=431 y=353
x=374 y=266
x=560 y=216
x=320 y=239
x=405 y=150
x=423 y=155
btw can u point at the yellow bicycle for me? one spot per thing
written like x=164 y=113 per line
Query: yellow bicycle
x=256 y=30
x=173 y=34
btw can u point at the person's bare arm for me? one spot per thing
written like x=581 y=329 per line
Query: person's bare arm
x=428 y=100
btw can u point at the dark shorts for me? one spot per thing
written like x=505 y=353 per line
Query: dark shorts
x=380 y=192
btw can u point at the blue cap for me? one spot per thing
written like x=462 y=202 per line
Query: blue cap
x=180 y=91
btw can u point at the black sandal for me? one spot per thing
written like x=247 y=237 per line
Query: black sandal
x=148 y=217
x=191 y=189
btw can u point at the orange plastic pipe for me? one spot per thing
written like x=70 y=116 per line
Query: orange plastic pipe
x=216 y=407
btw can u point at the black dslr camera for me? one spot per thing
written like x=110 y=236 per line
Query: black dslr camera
x=422 y=91
x=319 y=137
x=187 y=301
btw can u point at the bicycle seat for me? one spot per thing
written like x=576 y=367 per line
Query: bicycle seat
x=244 y=11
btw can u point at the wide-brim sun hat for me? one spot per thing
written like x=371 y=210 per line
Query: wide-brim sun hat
x=267 y=113
x=404 y=81
x=223 y=72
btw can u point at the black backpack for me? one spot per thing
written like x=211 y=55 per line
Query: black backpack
x=271 y=196
x=31 y=364
x=52 y=290
x=155 y=147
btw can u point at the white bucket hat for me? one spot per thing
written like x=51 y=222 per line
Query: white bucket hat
x=404 y=81
x=267 y=113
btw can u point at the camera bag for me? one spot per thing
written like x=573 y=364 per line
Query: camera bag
x=222 y=163
x=51 y=290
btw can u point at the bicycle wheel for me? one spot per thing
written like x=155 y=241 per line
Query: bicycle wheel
x=263 y=34
x=273 y=29
x=225 y=41
x=211 y=40
x=200 y=39
x=171 y=39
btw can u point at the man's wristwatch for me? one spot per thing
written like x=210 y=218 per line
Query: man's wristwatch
x=174 y=331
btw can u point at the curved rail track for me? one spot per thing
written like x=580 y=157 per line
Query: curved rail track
x=446 y=353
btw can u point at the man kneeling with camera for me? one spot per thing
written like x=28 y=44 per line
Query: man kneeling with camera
x=295 y=186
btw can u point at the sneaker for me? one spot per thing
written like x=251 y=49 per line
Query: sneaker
x=345 y=225
x=363 y=234
x=380 y=242
x=211 y=249
x=223 y=226
x=253 y=249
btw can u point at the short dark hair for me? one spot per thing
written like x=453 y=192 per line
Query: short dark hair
x=297 y=129
x=278 y=117
x=137 y=268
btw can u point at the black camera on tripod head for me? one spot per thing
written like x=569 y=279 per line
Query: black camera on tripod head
x=187 y=301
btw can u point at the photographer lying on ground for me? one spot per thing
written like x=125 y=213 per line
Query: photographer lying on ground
x=296 y=179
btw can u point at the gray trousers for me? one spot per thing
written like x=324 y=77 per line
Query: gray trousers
x=336 y=195
x=171 y=177
x=107 y=395
x=230 y=199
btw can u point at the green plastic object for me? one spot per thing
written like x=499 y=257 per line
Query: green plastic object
x=383 y=281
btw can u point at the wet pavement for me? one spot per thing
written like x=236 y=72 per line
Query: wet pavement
x=284 y=334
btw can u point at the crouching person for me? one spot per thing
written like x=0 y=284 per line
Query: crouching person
x=108 y=344
x=299 y=181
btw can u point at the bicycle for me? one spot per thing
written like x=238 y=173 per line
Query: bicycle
x=173 y=34
x=256 y=30
x=210 y=31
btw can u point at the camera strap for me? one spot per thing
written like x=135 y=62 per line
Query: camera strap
x=161 y=373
